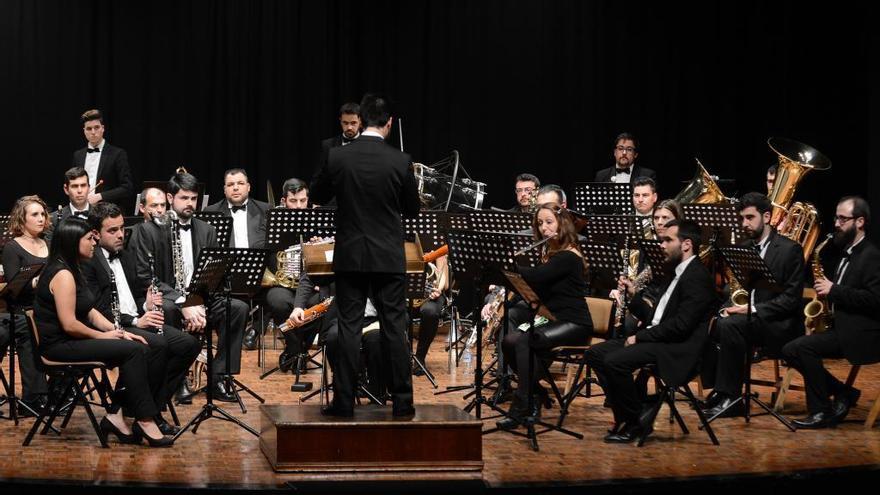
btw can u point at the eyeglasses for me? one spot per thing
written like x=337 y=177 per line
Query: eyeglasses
x=521 y=190
x=842 y=219
x=625 y=149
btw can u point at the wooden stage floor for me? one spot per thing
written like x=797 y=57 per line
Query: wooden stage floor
x=222 y=456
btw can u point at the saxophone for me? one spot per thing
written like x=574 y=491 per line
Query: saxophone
x=816 y=312
x=639 y=281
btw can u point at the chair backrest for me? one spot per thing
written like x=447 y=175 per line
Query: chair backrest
x=602 y=313
x=35 y=339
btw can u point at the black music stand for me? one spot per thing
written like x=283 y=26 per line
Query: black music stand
x=415 y=289
x=521 y=287
x=719 y=220
x=431 y=227
x=10 y=294
x=221 y=223
x=500 y=221
x=752 y=273
x=209 y=278
x=285 y=227
x=604 y=198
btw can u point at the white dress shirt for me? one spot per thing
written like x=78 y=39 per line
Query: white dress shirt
x=186 y=245
x=661 y=306
x=74 y=211
x=239 y=226
x=620 y=178
x=126 y=298
x=93 y=159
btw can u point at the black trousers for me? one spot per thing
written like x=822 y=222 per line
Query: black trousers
x=133 y=361
x=216 y=309
x=279 y=303
x=614 y=364
x=515 y=347
x=387 y=292
x=33 y=383
x=805 y=354
x=181 y=350
x=429 y=322
x=733 y=337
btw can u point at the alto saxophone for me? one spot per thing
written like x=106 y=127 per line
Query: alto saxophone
x=639 y=280
x=816 y=312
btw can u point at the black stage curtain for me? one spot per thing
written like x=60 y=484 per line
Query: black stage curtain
x=539 y=87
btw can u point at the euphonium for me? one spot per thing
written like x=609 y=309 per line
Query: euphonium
x=816 y=312
x=702 y=189
x=801 y=225
x=795 y=161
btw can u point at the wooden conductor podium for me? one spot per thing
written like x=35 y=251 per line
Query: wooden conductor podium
x=318 y=258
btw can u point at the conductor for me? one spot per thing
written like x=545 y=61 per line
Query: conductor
x=374 y=185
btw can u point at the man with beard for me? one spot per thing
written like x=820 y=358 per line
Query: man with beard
x=776 y=318
x=526 y=190
x=673 y=337
x=853 y=291
x=625 y=170
x=150 y=239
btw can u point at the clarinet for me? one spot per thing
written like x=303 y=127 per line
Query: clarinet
x=154 y=288
x=114 y=302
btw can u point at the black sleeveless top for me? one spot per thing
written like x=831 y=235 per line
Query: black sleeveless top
x=46 y=314
x=15 y=256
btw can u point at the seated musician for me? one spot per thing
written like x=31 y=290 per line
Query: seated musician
x=430 y=311
x=776 y=318
x=559 y=283
x=853 y=292
x=72 y=329
x=152 y=203
x=526 y=189
x=139 y=307
x=644 y=199
x=672 y=336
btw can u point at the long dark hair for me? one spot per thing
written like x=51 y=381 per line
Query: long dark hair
x=566 y=234
x=65 y=244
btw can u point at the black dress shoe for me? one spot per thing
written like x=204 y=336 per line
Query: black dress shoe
x=108 y=427
x=165 y=441
x=165 y=427
x=627 y=434
x=250 y=339
x=184 y=395
x=32 y=408
x=222 y=394
x=417 y=370
x=726 y=409
x=337 y=412
x=711 y=401
x=286 y=361
x=844 y=402
x=515 y=415
x=815 y=421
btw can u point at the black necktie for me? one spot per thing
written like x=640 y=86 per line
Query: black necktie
x=185 y=226
x=238 y=208
x=757 y=247
x=93 y=150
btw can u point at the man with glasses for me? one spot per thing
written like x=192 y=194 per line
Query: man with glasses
x=625 y=170
x=526 y=190
x=852 y=289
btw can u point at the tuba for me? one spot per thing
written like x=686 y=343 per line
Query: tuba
x=702 y=189
x=802 y=225
x=796 y=160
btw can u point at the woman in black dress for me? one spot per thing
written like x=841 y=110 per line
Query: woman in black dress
x=559 y=283
x=71 y=329
x=28 y=222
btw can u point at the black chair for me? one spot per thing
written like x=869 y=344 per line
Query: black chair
x=666 y=394
x=74 y=378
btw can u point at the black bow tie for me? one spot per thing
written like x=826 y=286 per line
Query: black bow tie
x=185 y=226
x=113 y=256
x=93 y=150
x=238 y=208
x=757 y=247
x=345 y=140
x=81 y=214
x=619 y=171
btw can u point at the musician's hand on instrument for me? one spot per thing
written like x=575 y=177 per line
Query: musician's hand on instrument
x=486 y=312
x=315 y=238
x=297 y=315
x=154 y=300
x=823 y=286
x=736 y=310
x=134 y=337
x=630 y=341
x=95 y=198
x=151 y=319
x=434 y=295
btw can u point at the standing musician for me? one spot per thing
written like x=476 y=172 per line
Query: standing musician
x=351 y=124
x=153 y=203
x=107 y=165
x=672 y=336
x=28 y=222
x=526 y=190
x=193 y=235
x=72 y=329
x=374 y=185
x=139 y=307
x=76 y=188
x=626 y=150
x=559 y=282
x=776 y=318
x=853 y=293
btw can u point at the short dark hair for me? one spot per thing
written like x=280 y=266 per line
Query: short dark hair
x=74 y=173
x=528 y=178
x=760 y=201
x=182 y=181
x=645 y=181
x=553 y=188
x=624 y=136
x=688 y=229
x=375 y=110
x=772 y=168
x=293 y=185
x=350 y=108
x=93 y=114
x=65 y=244
x=233 y=171
x=101 y=211
x=861 y=208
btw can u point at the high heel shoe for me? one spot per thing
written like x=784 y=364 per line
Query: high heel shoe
x=108 y=427
x=153 y=442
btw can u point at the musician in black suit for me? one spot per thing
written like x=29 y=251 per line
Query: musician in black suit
x=76 y=188
x=672 y=337
x=107 y=165
x=248 y=215
x=350 y=122
x=374 y=185
x=853 y=291
x=526 y=189
x=148 y=238
x=139 y=309
x=776 y=319
x=625 y=170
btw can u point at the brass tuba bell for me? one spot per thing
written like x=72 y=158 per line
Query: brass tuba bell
x=795 y=161
x=702 y=189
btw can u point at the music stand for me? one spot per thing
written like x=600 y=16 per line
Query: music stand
x=604 y=198
x=209 y=278
x=221 y=223
x=721 y=220
x=752 y=273
x=500 y=221
x=285 y=227
x=10 y=294
x=654 y=257
x=431 y=227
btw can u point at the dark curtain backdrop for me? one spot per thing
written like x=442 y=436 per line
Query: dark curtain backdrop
x=538 y=86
